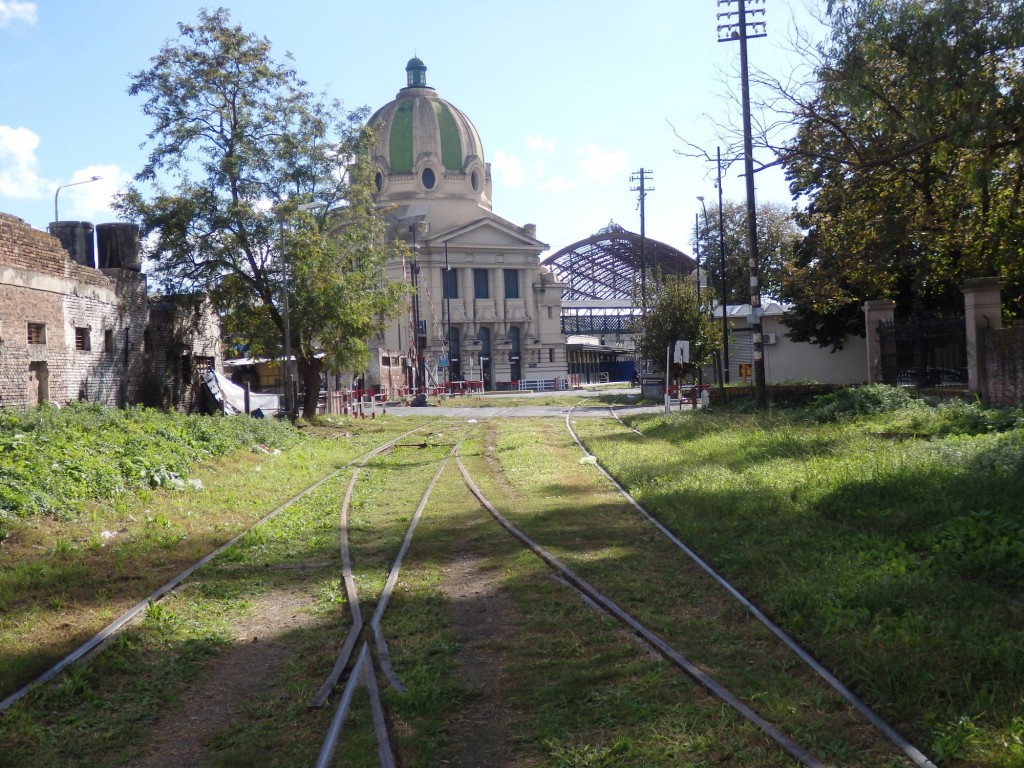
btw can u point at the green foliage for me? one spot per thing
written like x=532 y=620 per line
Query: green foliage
x=908 y=147
x=861 y=401
x=238 y=143
x=53 y=460
x=674 y=315
x=777 y=235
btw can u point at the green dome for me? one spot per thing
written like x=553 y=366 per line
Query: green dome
x=419 y=124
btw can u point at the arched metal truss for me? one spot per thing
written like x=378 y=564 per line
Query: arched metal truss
x=600 y=275
x=607 y=265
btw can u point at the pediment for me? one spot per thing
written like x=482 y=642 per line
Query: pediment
x=487 y=233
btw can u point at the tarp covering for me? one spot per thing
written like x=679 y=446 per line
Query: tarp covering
x=230 y=397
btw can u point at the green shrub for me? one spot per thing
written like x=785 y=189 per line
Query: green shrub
x=861 y=401
x=52 y=459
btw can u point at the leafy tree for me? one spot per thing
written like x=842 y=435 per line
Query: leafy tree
x=675 y=315
x=908 y=150
x=777 y=235
x=239 y=142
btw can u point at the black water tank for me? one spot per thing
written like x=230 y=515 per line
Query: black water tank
x=118 y=246
x=76 y=237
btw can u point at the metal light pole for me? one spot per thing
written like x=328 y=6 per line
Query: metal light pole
x=448 y=313
x=56 y=217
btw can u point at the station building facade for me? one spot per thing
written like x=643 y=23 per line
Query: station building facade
x=483 y=308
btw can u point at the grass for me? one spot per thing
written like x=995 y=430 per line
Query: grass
x=888 y=542
x=885 y=535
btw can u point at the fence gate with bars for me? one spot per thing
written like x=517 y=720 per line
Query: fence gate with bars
x=924 y=351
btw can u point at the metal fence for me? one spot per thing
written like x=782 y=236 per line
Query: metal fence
x=925 y=351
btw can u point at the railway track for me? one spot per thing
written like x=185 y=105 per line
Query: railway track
x=364 y=658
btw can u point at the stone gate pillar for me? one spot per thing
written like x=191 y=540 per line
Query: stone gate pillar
x=982 y=311
x=874 y=313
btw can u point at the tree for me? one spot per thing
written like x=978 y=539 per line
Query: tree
x=777 y=235
x=675 y=315
x=238 y=143
x=908 y=150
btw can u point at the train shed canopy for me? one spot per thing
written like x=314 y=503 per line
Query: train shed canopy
x=607 y=265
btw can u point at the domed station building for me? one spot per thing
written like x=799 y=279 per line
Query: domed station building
x=484 y=313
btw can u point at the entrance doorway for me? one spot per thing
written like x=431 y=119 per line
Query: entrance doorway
x=38 y=385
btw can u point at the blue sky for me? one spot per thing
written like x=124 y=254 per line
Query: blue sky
x=569 y=96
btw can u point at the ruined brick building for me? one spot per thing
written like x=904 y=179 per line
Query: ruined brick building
x=77 y=323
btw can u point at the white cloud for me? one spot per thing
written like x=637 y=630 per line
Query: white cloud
x=19 y=174
x=512 y=169
x=91 y=201
x=13 y=10
x=540 y=145
x=601 y=165
x=557 y=184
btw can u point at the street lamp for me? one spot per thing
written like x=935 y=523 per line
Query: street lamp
x=56 y=217
x=289 y=389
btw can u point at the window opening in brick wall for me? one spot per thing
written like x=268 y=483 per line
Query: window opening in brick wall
x=82 y=341
x=37 y=333
x=108 y=340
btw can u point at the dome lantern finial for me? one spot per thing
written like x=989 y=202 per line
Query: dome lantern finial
x=416 y=73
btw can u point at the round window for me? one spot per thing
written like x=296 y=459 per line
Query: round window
x=429 y=179
x=474 y=180
x=378 y=180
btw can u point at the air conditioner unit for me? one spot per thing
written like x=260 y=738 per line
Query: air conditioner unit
x=769 y=338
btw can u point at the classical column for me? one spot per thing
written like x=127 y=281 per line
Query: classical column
x=982 y=312
x=874 y=313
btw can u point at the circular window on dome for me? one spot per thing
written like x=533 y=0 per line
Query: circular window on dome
x=474 y=180
x=428 y=177
x=378 y=180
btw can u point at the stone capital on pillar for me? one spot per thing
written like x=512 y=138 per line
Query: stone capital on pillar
x=875 y=312
x=982 y=312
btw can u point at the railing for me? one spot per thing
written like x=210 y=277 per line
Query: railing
x=926 y=351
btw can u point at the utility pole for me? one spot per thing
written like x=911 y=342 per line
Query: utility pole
x=735 y=27
x=640 y=178
x=725 y=289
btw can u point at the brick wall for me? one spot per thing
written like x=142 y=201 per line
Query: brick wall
x=1004 y=363
x=94 y=323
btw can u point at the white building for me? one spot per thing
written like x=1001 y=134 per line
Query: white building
x=484 y=309
x=787 y=361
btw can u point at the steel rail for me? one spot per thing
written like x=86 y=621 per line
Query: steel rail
x=380 y=725
x=912 y=752
x=100 y=637
x=356 y=630
x=382 y=603
x=352 y=595
x=338 y=721
x=667 y=651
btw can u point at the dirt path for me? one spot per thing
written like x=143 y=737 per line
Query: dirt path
x=482 y=617
x=232 y=677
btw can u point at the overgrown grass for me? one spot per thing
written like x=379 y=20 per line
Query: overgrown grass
x=52 y=460
x=887 y=539
x=885 y=533
x=63 y=578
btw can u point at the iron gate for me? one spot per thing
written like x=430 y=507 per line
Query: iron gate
x=924 y=351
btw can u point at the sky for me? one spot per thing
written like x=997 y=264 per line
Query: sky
x=570 y=97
